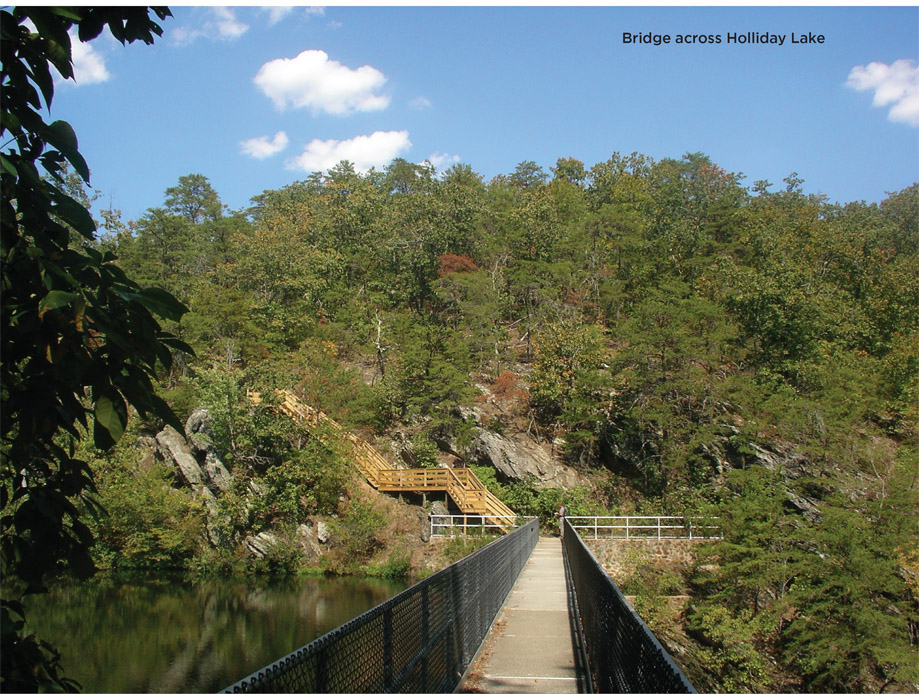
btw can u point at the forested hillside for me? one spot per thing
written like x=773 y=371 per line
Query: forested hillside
x=688 y=343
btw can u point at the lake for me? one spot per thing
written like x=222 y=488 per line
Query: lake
x=170 y=635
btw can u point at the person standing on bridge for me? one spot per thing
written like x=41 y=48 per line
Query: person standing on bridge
x=560 y=514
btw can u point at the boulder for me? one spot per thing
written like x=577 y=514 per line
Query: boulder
x=199 y=431
x=322 y=532
x=309 y=543
x=261 y=544
x=175 y=449
x=219 y=478
x=439 y=508
x=519 y=458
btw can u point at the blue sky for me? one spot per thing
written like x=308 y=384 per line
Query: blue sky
x=255 y=98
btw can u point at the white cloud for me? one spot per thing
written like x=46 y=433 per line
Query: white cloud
x=443 y=160
x=88 y=64
x=312 y=80
x=276 y=14
x=221 y=25
x=364 y=151
x=895 y=85
x=262 y=147
x=228 y=27
x=420 y=103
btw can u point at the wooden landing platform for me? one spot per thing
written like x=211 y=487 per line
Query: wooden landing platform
x=531 y=647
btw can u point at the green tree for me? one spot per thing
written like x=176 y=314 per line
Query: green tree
x=570 y=388
x=78 y=337
x=851 y=626
x=528 y=174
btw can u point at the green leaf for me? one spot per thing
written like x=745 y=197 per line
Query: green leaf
x=112 y=414
x=7 y=165
x=161 y=303
x=61 y=135
x=74 y=214
x=65 y=12
x=55 y=299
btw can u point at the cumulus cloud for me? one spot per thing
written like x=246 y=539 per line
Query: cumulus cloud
x=895 y=85
x=221 y=25
x=443 y=160
x=364 y=151
x=420 y=103
x=88 y=64
x=312 y=80
x=262 y=147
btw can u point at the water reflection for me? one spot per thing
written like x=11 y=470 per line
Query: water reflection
x=170 y=636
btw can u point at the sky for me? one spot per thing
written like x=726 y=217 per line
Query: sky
x=256 y=98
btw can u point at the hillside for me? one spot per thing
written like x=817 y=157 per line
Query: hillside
x=662 y=337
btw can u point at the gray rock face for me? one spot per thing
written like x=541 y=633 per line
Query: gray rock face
x=217 y=474
x=781 y=458
x=309 y=543
x=199 y=431
x=438 y=508
x=199 y=465
x=519 y=459
x=261 y=544
x=323 y=534
x=174 y=448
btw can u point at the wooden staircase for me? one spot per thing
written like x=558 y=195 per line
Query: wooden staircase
x=466 y=490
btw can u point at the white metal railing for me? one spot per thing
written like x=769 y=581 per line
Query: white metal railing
x=463 y=525
x=646 y=527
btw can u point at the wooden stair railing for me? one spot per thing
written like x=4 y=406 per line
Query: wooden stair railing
x=466 y=490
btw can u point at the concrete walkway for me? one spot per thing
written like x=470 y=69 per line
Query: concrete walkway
x=530 y=648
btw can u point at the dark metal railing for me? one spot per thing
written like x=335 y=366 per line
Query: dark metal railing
x=623 y=655
x=421 y=640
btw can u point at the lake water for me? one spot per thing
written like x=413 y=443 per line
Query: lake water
x=168 y=635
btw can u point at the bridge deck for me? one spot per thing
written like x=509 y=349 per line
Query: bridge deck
x=531 y=647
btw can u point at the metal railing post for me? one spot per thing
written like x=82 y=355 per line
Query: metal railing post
x=387 y=650
x=425 y=631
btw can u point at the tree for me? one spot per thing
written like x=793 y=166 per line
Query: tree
x=195 y=199
x=528 y=174
x=79 y=337
x=851 y=605
x=569 y=169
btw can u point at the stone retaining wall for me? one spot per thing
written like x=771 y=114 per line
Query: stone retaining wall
x=619 y=557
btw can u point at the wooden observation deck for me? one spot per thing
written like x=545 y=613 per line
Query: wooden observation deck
x=467 y=491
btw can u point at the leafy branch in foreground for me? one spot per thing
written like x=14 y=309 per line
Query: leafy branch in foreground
x=80 y=341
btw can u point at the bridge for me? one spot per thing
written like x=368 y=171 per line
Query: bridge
x=523 y=613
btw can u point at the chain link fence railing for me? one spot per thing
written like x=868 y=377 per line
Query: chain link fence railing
x=421 y=640
x=623 y=655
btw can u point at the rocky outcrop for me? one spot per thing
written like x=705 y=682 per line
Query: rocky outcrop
x=196 y=457
x=198 y=464
x=175 y=449
x=199 y=433
x=519 y=458
x=260 y=545
x=776 y=456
